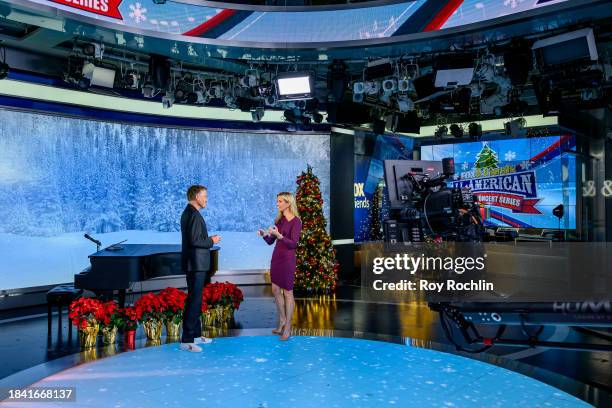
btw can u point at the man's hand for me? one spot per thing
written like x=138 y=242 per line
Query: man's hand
x=215 y=239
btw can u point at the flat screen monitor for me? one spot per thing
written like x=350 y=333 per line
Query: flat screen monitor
x=398 y=186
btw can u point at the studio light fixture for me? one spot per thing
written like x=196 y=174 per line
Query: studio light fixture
x=403 y=85
x=168 y=100
x=292 y=86
x=358 y=88
x=148 y=90
x=515 y=127
x=257 y=114
x=99 y=76
x=230 y=101
x=250 y=79
x=405 y=104
x=215 y=91
x=93 y=50
x=389 y=85
x=441 y=132
x=372 y=87
x=456 y=130
x=475 y=131
x=270 y=100
x=131 y=79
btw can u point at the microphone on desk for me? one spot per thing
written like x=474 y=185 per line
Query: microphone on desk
x=95 y=241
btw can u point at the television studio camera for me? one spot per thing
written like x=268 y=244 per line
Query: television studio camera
x=422 y=207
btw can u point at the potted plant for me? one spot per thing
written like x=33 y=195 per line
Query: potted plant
x=111 y=321
x=150 y=311
x=173 y=301
x=86 y=314
x=129 y=321
x=222 y=299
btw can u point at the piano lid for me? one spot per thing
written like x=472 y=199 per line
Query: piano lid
x=138 y=250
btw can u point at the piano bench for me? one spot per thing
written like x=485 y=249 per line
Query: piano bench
x=61 y=296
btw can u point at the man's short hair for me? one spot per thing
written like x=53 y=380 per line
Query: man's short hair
x=193 y=191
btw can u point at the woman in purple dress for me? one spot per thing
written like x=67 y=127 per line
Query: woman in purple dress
x=286 y=234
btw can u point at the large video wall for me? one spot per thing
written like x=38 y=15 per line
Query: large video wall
x=519 y=180
x=63 y=177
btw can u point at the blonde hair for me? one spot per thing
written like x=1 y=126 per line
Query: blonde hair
x=290 y=199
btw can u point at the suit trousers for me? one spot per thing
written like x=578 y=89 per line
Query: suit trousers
x=192 y=325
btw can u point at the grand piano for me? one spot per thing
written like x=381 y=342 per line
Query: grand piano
x=119 y=266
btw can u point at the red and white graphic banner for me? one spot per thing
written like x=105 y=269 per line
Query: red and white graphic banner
x=108 y=8
x=515 y=202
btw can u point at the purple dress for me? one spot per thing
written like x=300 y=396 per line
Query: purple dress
x=282 y=266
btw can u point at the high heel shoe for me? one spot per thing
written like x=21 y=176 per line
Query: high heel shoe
x=279 y=331
x=285 y=336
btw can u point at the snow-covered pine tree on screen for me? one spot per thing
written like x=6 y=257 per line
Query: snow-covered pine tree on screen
x=317 y=269
x=487 y=158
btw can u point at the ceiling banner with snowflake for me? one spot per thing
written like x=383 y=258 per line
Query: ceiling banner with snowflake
x=108 y=8
x=255 y=26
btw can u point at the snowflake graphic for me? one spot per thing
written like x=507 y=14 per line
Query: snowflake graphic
x=465 y=166
x=138 y=13
x=512 y=3
x=510 y=155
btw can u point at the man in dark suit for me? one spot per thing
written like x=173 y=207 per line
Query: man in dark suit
x=195 y=262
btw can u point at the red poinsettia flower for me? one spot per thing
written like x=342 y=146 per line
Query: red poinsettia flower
x=173 y=302
x=129 y=317
x=149 y=307
x=86 y=311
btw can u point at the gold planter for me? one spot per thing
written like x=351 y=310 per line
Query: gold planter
x=173 y=330
x=153 y=329
x=109 y=335
x=89 y=355
x=220 y=314
x=153 y=343
x=88 y=336
x=208 y=318
x=108 y=351
x=229 y=313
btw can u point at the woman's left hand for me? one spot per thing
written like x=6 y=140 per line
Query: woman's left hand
x=274 y=231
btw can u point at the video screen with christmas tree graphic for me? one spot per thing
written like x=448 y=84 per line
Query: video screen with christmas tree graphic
x=519 y=181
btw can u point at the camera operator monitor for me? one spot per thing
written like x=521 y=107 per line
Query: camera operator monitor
x=399 y=186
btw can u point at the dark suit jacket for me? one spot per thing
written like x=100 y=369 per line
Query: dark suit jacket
x=195 y=252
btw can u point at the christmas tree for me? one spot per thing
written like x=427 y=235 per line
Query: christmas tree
x=487 y=158
x=376 y=231
x=317 y=269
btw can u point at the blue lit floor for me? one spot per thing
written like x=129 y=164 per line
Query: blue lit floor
x=260 y=371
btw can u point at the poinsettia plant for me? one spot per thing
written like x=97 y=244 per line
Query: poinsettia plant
x=129 y=318
x=149 y=307
x=110 y=315
x=222 y=293
x=173 y=302
x=86 y=312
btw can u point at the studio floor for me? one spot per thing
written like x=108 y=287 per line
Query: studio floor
x=344 y=351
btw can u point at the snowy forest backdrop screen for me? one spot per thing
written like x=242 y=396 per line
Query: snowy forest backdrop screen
x=62 y=177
